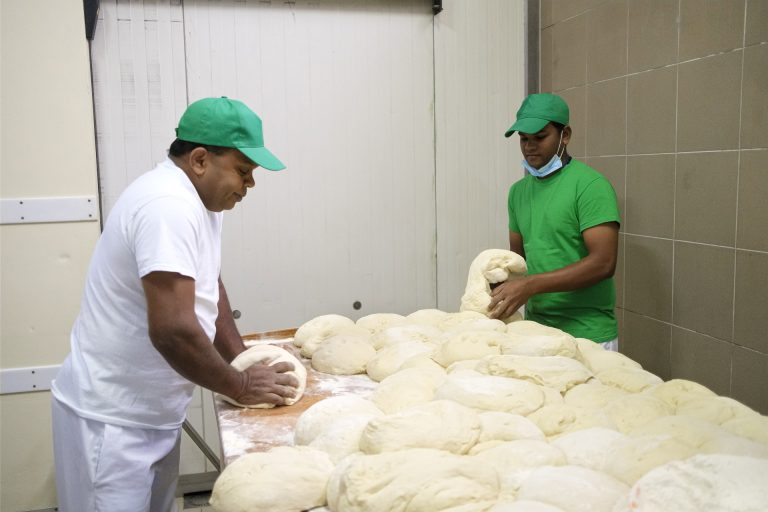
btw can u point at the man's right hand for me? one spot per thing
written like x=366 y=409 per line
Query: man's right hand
x=264 y=384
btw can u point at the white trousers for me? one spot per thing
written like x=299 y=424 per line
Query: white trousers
x=612 y=345
x=102 y=467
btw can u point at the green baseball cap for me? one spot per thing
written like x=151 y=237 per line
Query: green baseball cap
x=536 y=111
x=230 y=124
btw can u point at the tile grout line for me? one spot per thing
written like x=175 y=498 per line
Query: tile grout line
x=674 y=177
x=626 y=159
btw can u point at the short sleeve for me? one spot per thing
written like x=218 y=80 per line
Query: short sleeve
x=597 y=204
x=165 y=234
x=513 y=224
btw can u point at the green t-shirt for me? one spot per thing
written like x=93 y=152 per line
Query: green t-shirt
x=551 y=214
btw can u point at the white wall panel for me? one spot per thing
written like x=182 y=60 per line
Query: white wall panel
x=479 y=84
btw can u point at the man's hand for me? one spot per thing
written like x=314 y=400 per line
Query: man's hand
x=263 y=384
x=509 y=296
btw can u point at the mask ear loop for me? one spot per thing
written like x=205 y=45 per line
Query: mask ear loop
x=560 y=142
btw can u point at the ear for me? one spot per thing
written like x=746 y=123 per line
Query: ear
x=566 y=135
x=198 y=160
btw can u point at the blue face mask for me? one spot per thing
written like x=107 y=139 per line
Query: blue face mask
x=553 y=165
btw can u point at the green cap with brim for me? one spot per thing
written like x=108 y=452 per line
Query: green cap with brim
x=537 y=110
x=230 y=124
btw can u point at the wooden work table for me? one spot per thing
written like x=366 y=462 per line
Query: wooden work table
x=244 y=431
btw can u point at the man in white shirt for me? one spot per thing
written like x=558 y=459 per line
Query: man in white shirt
x=155 y=320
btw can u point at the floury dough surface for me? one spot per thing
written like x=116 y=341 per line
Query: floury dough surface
x=573 y=488
x=491 y=393
x=270 y=355
x=266 y=481
x=560 y=373
x=343 y=355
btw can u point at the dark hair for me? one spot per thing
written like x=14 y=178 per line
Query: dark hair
x=182 y=147
x=559 y=127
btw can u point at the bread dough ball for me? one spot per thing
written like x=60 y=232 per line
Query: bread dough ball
x=504 y=426
x=333 y=489
x=343 y=355
x=423 y=361
x=491 y=393
x=454 y=320
x=441 y=424
x=753 y=427
x=589 y=448
x=703 y=482
x=600 y=360
x=540 y=345
x=691 y=431
x=463 y=346
x=407 y=388
x=341 y=437
x=458 y=366
x=677 y=391
x=377 y=322
x=554 y=420
x=489 y=267
x=415 y=480
x=632 y=457
x=560 y=373
x=432 y=317
x=266 y=481
x=401 y=333
x=633 y=411
x=479 y=324
x=270 y=355
x=311 y=345
x=389 y=359
x=524 y=506
x=320 y=327
x=715 y=409
x=531 y=328
x=523 y=453
x=593 y=395
x=312 y=421
x=551 y=396
x=734 y=445
x=632 y=380
x=586 y=345
x=573 y=488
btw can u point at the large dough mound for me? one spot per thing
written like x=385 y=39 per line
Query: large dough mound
x=406 y=388
x=416 y=480
x=632 y=380
x=504 y=426
x=593 y=395
x=523 y=453
x=573 y=488
x=270 y=355
x=540 y=345
x=633 y=411
x=589 y=448
x=312 y=422
x=599 y=360
x=467 y=345
x=632 y=457
x=752 y=427
x=343 y=355
x=720 y=483
x=284 y=479
x=554 y=420
x=441 y=424
x=320 y=327
x=401 y=333
x=678 y=391
x=489 y=267
x=715 y=409
x=341 y=437
x=459 y=320
x=377 y=322
x=491 y=393
x=311 y=345
x=560 y=373
x=389 y=359
x=431 y=317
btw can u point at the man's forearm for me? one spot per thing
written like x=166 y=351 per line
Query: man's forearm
x=227 y=341
x=585 y=272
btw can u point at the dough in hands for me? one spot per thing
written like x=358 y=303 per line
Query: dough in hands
x=489 y=267
x=266 y=481
x=343 y=355
x=270 y=355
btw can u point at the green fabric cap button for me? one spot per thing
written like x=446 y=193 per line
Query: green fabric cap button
x=537 y=110
x=227 y=123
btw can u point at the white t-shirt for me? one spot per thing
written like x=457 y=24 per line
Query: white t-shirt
x=113 y=373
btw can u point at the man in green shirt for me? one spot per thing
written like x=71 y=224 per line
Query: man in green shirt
x=564 y=220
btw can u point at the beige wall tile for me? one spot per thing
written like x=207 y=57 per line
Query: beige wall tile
x=710 y=27
x=545 y=60
x=607 y=41
x=650 y=195
x=607 y=118
x=615 y=169
x=703 y=289
x=757 y=22
x=577 y=104
x=652 y=34
x=647 y=341
x=748 y=378
x=754 y=106
x=751 y=318
x=701 y=359
x=705 y=197
x=651 y=111
x=648 y=276
x=559 y=10
x=569 y=53
x=618 y=279
x=753 y=207
x=708 y=95
x=545 y=13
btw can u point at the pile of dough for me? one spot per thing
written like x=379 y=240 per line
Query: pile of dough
x=632 y=457
x=478 y=324
x=406 y=388
x=343 y=354
x=389 y=359
x=523 y=453
x=593 y=395
x=589 y=448
x=702 y=482
x=752 y=427
x=560 y=373
x=573 y=488
x=677 y=391
x=270 y=355
x=313 y=333
x=599 y=360
x=491 y=393
x=377 y=322
x=341 y=437
x=312 y=421
x=284 y=479
x=415 y=480
x=432 y=317
x=401 y=333
x=453 y=321
x=540 y=345
x=489 y=267
x=504 y=426
x=633 y=411
x=632 y=380
x=715 y=409
x=554 y=420
x=440 y=424
x=465 y=345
